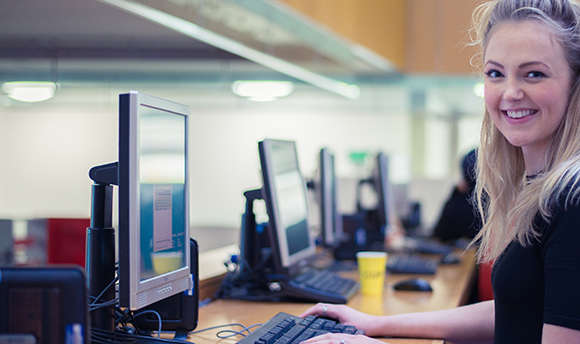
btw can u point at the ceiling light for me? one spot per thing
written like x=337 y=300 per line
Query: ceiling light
x=262 y=91
x=478 y=89
x=29 y=91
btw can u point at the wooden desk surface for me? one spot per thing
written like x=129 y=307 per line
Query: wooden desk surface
x=451 y=287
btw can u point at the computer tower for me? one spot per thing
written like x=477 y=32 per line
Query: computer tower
x=179 y=312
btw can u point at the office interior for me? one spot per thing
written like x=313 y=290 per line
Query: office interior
x=424 y=120
x=420 y=103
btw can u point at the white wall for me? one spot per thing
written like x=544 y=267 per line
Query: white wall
x=48 y=148
x=226 y=162
x=46 y=154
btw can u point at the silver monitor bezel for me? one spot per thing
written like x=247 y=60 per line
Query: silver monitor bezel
x=134 y=293
x=287 y=260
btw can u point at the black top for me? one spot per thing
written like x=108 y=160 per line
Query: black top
x=458 y=219
x=539 y=283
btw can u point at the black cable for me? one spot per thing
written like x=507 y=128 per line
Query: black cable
x=96 y=298
x=94 y=307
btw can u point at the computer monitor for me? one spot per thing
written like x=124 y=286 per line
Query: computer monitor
x=330 y=218
x=381 y=181
x=284 y=193
x=154 y=250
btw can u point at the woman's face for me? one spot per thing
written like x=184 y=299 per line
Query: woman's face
x=527 y=83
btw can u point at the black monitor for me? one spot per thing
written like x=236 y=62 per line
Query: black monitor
x=153 y=247
x=381 y=181
x=330 y=218
x=284 y=193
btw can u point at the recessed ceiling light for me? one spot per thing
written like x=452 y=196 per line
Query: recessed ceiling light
x=262 y=91
x=29 y=91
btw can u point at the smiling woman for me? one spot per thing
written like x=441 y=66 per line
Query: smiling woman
x=527 y=82
x=531 y=225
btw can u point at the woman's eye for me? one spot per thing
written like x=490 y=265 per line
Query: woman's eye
x=493 y=73
x=535 y=75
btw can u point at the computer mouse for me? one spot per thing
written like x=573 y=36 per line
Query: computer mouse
x=450 y=258
x=413 y=284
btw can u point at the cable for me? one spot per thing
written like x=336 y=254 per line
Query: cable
x=151 y=312
x=99 y=336
x=96 y=298
x=235 y=333
x=97 y=306
x=232 y=334
x=252 y=326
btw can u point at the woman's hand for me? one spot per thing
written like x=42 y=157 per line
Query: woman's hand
x=345 y=315
x=341 y=338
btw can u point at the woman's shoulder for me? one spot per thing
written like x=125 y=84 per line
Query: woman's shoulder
x=560 y=198
x=561 y=186
x=564 y=210
x=566 y=196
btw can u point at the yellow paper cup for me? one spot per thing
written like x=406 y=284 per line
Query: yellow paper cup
x=371 y=269
x=166 y=261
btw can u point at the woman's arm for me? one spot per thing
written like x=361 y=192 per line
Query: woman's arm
x=552 y=334
x=467 y=324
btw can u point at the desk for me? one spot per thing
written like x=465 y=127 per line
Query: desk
x=451 y=287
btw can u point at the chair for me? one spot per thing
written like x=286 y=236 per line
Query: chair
x=66 y=240
x=484 y=287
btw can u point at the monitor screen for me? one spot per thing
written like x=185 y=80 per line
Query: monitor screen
x=382 y=187
x=153 y=200
x=286 y=202
x=330 y=218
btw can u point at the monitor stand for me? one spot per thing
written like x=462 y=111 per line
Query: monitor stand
x=100 y=264
x=250 y=280
x=100 y=250
x=362 y=233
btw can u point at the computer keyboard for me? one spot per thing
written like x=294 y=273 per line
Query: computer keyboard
x=285 y=328
x=417 y=245
x=408 y=264
x=322 y=286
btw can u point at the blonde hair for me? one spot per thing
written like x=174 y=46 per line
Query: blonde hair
x=507 y=202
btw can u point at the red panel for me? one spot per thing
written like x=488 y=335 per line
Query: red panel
x=66 y=241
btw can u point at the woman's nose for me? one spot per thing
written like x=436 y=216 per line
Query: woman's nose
x=513 y=90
